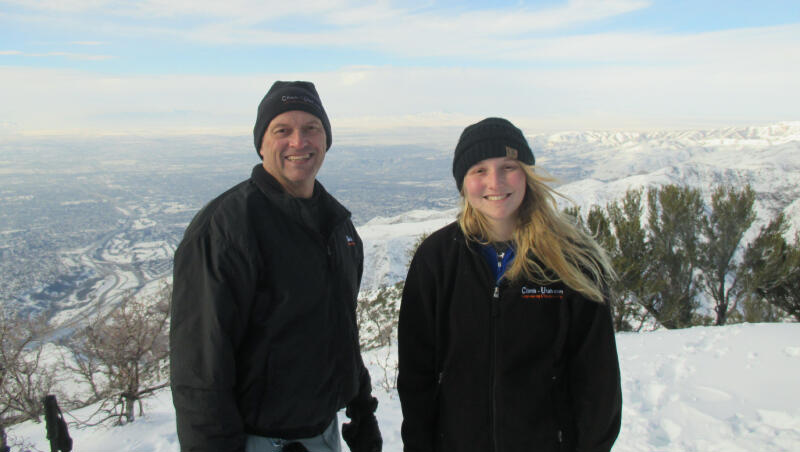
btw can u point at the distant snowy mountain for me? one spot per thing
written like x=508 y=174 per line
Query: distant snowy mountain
x=609 y=163
x=599 y=167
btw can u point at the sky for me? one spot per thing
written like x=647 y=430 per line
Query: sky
x=388 y=67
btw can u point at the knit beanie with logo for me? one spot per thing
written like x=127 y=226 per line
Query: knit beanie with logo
x=490 y=138
x=288 y=96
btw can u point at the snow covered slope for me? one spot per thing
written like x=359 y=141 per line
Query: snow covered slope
x=598 y=167
x=387 y=242
x=704 y=389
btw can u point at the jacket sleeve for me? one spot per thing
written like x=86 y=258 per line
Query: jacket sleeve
x=594 y=376
x=211 y=280
x=364 y=396
x=417 y=380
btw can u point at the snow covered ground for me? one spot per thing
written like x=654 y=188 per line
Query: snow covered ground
x=703 y=389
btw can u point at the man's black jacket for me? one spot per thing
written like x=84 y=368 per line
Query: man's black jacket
x=263 y=336
x=533 y=368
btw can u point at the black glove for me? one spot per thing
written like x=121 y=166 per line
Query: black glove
x=362 y=433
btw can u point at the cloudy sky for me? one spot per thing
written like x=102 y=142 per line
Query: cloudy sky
x=202 y=66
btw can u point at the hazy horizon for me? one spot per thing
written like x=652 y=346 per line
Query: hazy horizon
x=167 y=67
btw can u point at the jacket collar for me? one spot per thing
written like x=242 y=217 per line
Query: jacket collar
x=332 y=211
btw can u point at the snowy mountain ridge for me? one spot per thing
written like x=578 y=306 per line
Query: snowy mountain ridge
x=772 y=134
x=599 y=167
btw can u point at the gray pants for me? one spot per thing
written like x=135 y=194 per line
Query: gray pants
x=327 y=441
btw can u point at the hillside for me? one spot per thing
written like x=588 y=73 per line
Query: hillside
x=704 y=389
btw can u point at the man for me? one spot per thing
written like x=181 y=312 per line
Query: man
x=263 y=341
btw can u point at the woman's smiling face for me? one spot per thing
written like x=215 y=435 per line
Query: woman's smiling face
x=495 y=187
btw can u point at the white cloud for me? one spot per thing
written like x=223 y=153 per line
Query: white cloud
x=560 y=78
x=497 y=35
x=404 y=28
x=56 y=100
x=405 y=31
x=74 y=56
x=245 y=11
x=521 y=20
x=362 y=99
x=240 y=12
x=60 y=5
x=344 y=12
x=419 y=30
x=69 y=55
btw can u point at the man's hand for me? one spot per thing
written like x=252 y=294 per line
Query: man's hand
x=362 y=433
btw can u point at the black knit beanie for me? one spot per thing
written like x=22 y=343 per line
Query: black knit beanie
x=288 y=96
x=487 y=139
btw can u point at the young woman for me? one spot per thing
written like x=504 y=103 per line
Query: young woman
x=506 y=342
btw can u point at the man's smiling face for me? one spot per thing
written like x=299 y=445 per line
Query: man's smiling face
x=293 y=150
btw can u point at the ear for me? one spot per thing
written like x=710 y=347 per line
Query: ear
x=263 y=139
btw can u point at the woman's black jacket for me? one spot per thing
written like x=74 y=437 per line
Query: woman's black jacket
x=528 y=368
x=263 y=333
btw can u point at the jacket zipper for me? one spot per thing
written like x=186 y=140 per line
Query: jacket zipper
x=495 y=315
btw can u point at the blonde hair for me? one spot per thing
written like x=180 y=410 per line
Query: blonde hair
x=549 y=246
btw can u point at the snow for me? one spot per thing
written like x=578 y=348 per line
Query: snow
x=386 y=241
x=703 y=389
x=610 y=163
x=121 y=250
x=732 y=388
x=143 y=223
x=711 y=389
